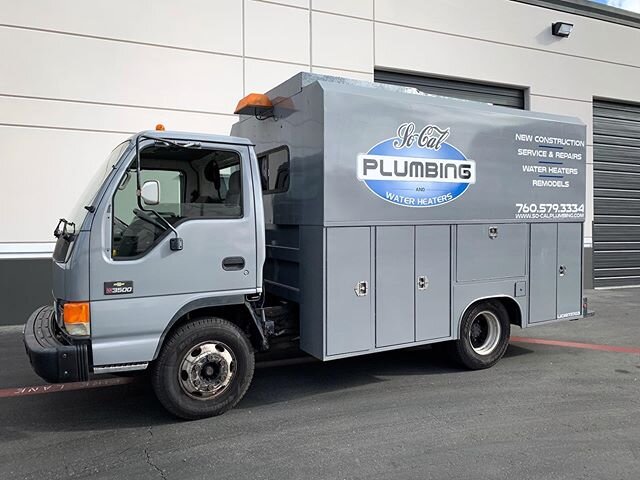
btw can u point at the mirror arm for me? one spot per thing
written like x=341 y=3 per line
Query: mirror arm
x=138 y=175
x=175 y=243
x=164 y=220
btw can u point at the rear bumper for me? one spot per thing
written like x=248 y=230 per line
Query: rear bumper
x=53 y=357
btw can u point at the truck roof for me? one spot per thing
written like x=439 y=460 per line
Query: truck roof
x=382 y=90
x=209 y=137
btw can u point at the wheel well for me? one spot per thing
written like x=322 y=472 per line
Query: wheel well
x=236 y=314
x=513 y=309
x=510 y=305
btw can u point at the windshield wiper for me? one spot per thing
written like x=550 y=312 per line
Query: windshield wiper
x=176 y=144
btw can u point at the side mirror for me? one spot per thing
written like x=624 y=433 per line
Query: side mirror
x=150 y=192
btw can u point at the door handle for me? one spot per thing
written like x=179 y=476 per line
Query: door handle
x=233 y=263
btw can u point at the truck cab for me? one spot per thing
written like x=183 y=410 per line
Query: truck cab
x=172 y=222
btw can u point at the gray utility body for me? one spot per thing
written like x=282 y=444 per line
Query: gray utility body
x=421 y=252
x=357 y=218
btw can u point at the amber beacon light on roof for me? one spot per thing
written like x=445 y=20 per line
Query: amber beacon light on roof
x=256 y=104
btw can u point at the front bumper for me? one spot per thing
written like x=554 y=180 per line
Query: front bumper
x=53 y=357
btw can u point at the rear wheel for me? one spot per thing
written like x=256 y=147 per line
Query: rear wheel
x=484 y=336
x=204 y=369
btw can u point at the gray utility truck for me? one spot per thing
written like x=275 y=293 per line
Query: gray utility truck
x=345 y=217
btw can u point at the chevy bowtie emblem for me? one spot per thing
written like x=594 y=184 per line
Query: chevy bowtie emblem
x=118 y=284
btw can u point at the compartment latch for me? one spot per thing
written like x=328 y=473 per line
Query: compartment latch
x=362 y=288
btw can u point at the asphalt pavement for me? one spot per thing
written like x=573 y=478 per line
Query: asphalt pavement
x=543 y=412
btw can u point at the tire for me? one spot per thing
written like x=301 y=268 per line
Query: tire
x=204 y=369
x=484 y=336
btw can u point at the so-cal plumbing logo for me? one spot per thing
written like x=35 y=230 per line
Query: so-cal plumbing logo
x=416 y=168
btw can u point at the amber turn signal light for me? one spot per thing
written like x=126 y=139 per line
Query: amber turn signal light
x=76 y=317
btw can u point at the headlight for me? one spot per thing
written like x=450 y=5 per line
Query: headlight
x=77 y=318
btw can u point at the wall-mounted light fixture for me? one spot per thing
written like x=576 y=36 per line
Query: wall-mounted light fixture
x=561 y=29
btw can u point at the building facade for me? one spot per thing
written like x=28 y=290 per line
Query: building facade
x=78 y=77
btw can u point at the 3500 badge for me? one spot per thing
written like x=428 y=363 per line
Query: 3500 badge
x=121 y=287
x=416 y=168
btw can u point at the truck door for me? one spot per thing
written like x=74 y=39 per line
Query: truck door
x=137 y=282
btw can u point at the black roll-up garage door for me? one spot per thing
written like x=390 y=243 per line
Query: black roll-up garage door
x=616 y=194
x=479 y=92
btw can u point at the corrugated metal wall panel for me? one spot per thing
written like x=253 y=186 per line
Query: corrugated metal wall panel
x=478 y=92
x=616 y=179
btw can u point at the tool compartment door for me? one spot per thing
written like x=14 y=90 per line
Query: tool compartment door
x=433 y=262
x=394 y=285
x=349 y=290
x=544 y=272
x=569 y=270
x=491 y=251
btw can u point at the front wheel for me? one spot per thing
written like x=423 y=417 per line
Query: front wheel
x=204 y=369
x=484 y=336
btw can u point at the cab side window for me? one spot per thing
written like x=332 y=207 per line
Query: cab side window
x=274 y=170
x=193 y=184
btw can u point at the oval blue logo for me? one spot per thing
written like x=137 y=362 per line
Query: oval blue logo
x=416 y=168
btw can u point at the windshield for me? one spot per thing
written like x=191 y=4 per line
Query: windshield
x=79 y=212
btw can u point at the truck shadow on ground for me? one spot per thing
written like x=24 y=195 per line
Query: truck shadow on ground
x=285 y=383
x=134 y=405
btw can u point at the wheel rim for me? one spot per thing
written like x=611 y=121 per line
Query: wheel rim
x=207 y=370
x=484 y=333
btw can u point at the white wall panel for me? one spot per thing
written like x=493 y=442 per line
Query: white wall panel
x=342 y=42
x=553 y=75
x=74 y=115
x=513 y=23
x=355 y=8
x=61 y=66
x=276 y=32
x=262 y=75
x=44 y=171
x=367 y=77
x=291 y=3
x=211 y=25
